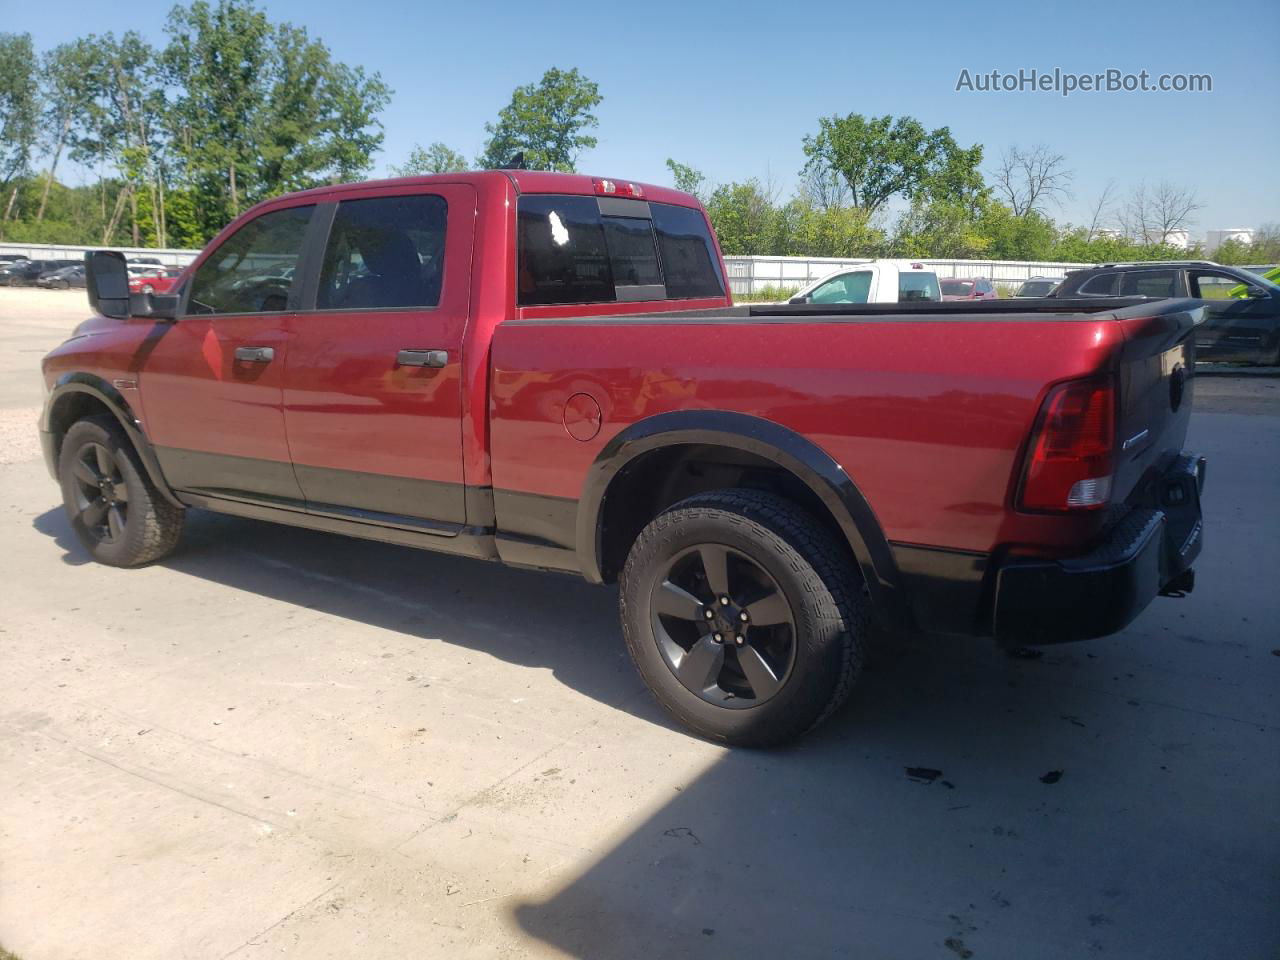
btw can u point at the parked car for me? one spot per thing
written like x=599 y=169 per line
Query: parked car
x=1241 y=291
x=145 y=261
x=874 y=281
x=160 y=280
x=27 y=272
x=1037 y=287
x=967 y=288
x=11 y=257
x=1238 y=329
x=546 y=370
x=62 y=278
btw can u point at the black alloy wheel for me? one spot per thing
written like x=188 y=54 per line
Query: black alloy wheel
x=724 y=626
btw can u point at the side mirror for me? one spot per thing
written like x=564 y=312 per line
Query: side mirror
x=107 y=283
x=106 y=278
x=1255 y=292
x=803 y=299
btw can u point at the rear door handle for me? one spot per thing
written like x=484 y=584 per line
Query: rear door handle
x=255 y=354
x=422 y=358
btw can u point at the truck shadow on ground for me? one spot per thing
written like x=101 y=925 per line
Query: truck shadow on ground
x=929 y=818
x=526 y=617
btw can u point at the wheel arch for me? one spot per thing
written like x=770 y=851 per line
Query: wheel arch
x=76 y=396
x=608 y=517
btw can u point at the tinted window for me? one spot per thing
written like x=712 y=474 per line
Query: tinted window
x=917 y=286
x=846 y=288
x=1036 y=288
x=689 y=262
x=384 y=252
x=632 y=253
x=570 y=253
x=957 y=288
x=563 y=258
x=1149 y=283
x=1103 y=285
x=252 y=271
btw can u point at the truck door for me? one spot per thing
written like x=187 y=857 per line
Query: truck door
x=1237 y=327
x=212 y=382
x=373 y=398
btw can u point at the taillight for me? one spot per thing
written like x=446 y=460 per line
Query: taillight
x=1070 y=461
x=617 y=188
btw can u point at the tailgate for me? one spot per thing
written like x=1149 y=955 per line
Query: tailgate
x=1155 y=377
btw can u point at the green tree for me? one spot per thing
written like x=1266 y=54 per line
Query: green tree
x=546 y=121
x=262 y=108
x=19 y=112
x=687 y=178
x=124 y=100
x=65 y=73
x=880 y=158
x=437 y=158
x=746 y=219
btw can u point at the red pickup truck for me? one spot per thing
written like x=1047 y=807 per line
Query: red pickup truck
x=547 y=370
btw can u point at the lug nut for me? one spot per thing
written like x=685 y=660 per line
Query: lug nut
x=743 y=616
x=708 y=614
x=740 y=640
x=724 y=601
x=718 y=638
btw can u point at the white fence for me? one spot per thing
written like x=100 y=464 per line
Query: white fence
x=749 y=275
x=64 y=251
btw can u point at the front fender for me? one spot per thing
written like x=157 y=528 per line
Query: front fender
x=60 y=409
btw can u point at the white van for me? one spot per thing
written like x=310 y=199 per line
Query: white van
x=874 y=281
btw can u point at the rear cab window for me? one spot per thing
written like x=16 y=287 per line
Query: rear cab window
x=916 y=286
x=588 y=250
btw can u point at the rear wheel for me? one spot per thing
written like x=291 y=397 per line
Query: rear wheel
x=744 y=616
x=114 y=509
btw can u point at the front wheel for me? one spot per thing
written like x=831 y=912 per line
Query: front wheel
x=114 y=509
x=745 y=617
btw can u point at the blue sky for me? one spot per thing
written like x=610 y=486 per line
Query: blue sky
x=732 y=88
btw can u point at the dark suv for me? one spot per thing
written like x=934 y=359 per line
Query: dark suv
x=1242 y=322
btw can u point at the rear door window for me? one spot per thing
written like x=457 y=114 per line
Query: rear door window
x=573 y=249
x=384 y=253
x=1149 y=283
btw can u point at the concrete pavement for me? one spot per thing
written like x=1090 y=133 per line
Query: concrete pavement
x=280 y=742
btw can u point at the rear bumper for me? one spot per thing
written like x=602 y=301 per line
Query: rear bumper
x=1147 y=553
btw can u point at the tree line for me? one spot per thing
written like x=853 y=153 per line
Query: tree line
x=231 y=110
x=234 y=109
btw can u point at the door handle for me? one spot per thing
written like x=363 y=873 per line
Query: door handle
x=422 y=358
x=255 y=354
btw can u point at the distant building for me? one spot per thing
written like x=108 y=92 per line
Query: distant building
x=1216 y=238
x=1178 y=238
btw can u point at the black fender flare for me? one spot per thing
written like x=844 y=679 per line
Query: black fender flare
x=106 y=394
x=792 y=452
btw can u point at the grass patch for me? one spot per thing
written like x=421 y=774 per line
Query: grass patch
x=769 y=294
x=6 y=955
